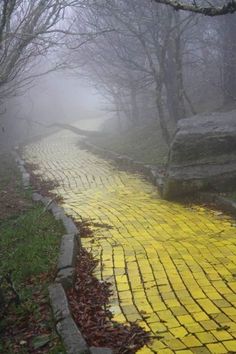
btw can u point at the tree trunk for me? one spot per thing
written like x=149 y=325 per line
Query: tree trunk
x=162 y=119
x=134 y=107
x=174 y=76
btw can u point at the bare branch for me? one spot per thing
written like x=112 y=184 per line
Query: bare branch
x=211 y=10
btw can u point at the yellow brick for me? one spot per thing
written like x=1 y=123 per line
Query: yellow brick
x=172 y=303
x=201 y=316
x=230 y=311
x=166 y=242
x=206 y=337
x=119 y=318
x=213 y=296
x=158 y=345
x=194 y=328
x=209 y=325
x=191 y=341
x=145 y=350
x=216 y=348
x=185 y=319
x=175 y=344
x=178 y=311
x=222 y=335
x=144 y=325
x=122 y=286
x=179 y=332
x=193 y=308
x=208 y=306
x=230 y=345
x=157 y=327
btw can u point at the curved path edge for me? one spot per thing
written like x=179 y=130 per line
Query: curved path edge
x=66 y=327
x=152 y=172
x=156 y=176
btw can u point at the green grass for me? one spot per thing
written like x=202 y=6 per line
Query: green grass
x=29 y=246
x=144 y=144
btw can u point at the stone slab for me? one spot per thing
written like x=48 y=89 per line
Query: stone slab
x=69 y=225
x=68 y=252
x=57 y=211
x=72 y=338
x=66 y=277
x=94 y=350
x=58 y=301
x=36 y=197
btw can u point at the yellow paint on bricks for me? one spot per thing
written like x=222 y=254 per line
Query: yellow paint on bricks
x=169 y=265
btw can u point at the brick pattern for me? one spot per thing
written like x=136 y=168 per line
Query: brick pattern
x=172 y=268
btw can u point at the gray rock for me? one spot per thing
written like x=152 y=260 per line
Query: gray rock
x=202 y=155
x=36 y=197
x=57 y=211
x=22 y=170
x=138 y=166
x=226 y=204
x=69 y=225
x=26 y=179
x=66 y=277
x=58 y=301
x=52 y=205
x=72 y=338
x=21 y=162
x=68 y=252
x=94 y=350
x=46 y=201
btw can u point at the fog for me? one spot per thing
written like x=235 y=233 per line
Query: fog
x=59 y=98
x=55 y=98
x=131 y=66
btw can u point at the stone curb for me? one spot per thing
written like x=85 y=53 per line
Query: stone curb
x=156 y=178
x=24 y=174
x=223 y=203
x=151 y=172
x=71 y=336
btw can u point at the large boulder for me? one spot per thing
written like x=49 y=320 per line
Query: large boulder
x=202 y=155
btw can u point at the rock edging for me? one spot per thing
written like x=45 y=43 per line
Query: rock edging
x=156 y=177
x=224 y=204
x=67 y=329
x=152 y=172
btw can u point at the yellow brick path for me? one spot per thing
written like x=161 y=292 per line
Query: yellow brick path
x=173 y=268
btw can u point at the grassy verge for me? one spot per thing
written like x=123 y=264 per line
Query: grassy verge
x=29 y=246
x=144 y=144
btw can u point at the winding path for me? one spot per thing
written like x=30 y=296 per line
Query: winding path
x=173 y=268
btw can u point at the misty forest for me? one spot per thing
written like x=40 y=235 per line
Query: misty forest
x=117 y=176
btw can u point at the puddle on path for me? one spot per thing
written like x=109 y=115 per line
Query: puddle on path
x=173 y=269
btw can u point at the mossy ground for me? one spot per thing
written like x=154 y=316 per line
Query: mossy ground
x=29 y=246
x=144 y=144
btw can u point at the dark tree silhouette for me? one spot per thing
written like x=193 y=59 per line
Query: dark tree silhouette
x=211 y=10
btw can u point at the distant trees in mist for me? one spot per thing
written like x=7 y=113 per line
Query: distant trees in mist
x=156 y=62
x=149 y=61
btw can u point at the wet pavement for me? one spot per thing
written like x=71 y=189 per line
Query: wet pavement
x=172 y=268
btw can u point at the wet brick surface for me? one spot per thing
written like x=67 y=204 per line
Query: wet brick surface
x=172 y=268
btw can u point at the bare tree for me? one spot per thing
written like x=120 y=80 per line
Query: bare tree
x=228 y=7
x=143 y=54
x=28 y=30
